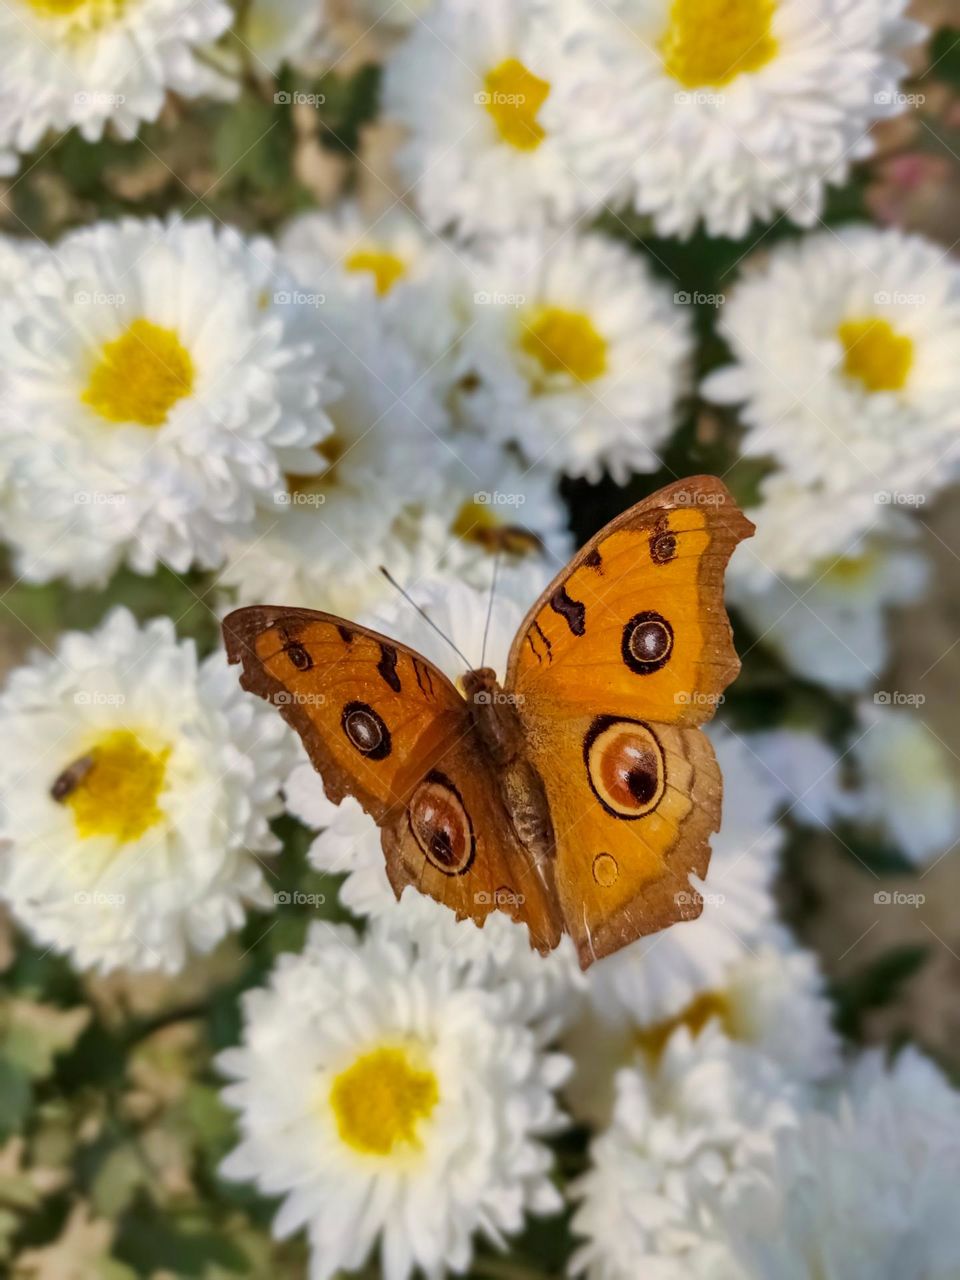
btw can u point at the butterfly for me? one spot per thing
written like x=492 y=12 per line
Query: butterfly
x=578 y=796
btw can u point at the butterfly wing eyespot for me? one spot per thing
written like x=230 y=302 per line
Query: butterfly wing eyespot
x=625 y=766
x=441 y=825
x=366 y=731
x=647 y=642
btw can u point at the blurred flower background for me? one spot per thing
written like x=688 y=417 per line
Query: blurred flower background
x=292 y=290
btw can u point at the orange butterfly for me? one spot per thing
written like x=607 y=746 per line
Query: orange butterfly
x=580 y=795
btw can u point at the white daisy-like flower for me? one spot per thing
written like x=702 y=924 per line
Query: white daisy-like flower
x=87 y=63
x=658 y=976
x=576 y=353
x=475 y=84
x=322 y=542
x=908 y=781
x=844 y=348
x=800 y=527
x=807 y=771
x=394 y=264
x=274 y=32
x=832 y=627
x=137 y=786
x=772 y=998
x=157 y=387
x=694 y=1125
x=867 y=1186
x=725 y=112
x=390 y=1095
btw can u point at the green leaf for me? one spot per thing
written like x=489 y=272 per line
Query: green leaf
x=945 y=57
x=876 y=986
x=254 y=142
x=16 y=1096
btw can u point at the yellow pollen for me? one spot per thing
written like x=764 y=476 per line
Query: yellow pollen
x=565 y=342
x=875 y=353
x=475 y=521
x=380 y=1100
x=711 y=42
x=513 y=96
x=707 y=1005
x=386 y=268
x=140 y=376
x=117 y=795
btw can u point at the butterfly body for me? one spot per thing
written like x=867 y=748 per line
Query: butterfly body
x=579 y=793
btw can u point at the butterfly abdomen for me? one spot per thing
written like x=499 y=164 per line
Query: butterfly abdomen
x=502 y=736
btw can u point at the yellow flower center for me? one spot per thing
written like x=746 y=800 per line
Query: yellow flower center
x=711 y=42
x=875 y=353
x=380 y=1100
x=91 y=14
x=565 y=342
x=707 y=1005
x=513 y=96
x=478 y=523
x=117 y=789
x=140 y=376
x=386 y=268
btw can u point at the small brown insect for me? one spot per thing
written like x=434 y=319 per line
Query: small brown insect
x=68 y=781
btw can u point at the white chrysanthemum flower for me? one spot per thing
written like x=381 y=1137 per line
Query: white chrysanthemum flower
x=658 y=976
x=475 y=85
x=87 y=63
x=844 y=348
x=908 y=781
x=274 y=32
x=832 y=627
x=725 y=112
x=807 y=771
x=772 y=998
x=576 y=353
x=157 y=387
x=800 y=527
x=137 y=785
x=394 y=264
x=694 y=1125
x=866 y=1187
x=389 y=1094
x=322 y=542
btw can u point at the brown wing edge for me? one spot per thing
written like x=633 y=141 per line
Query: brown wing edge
x=734 y=530
x=672 y=898
x=240 y=630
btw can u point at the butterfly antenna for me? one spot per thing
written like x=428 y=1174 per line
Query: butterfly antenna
x=424 y=615
x=493 y=588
